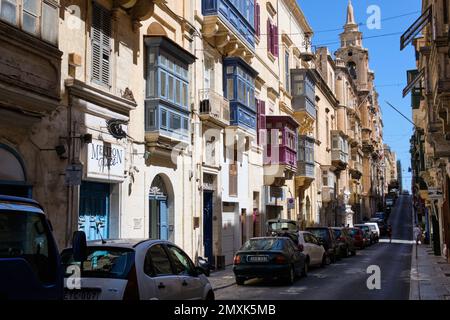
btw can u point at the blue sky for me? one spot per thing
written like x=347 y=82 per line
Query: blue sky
x=386 y=59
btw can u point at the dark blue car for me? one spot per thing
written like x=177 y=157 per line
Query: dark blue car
x=269 y=257
x=30 y=266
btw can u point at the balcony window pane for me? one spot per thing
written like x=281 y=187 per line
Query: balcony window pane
x=151 y=84
x=175 y=122
x=184 y=101
x=170 y=88
x=163 y=85
x=186 y=125
x=230 y=89
x=29 y=23
x=178 y=92
x=163 y=118
x=8 y=11
x=151 y=119
x=163 y=60
x=241 y=91
x=49 y=23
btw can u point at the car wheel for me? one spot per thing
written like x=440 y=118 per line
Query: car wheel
x=325 y=260
x=354 y=253
x=240 y=281
x=305 y=268
x=210 y=296
x=290 y=279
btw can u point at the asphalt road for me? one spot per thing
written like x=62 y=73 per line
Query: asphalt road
x=347 y=279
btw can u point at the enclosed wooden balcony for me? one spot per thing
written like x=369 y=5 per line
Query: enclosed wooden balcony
x=339 y=150
x=230 y=28
x=303 y=98
x=214 y=108
x=305 y=174
x=280 y=156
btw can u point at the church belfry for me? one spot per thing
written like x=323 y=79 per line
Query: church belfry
x=352 y=52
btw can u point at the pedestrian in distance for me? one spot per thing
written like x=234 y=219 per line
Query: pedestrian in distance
x=417 y=233
x=389 y=233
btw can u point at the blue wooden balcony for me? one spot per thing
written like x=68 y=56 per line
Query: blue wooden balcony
x=238 y=14
x=231 y=22
x=239 y=89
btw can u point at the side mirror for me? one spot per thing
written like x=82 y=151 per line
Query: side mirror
x=300 y=248
x=203 y=266
x=79 y=246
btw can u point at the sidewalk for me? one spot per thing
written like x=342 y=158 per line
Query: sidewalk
x=430 y=275
x=222 y=279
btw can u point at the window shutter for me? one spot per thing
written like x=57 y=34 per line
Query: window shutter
x=269 y=36
x=275 y=41
x=257 y=19
x=101 y=45
x=261 y=108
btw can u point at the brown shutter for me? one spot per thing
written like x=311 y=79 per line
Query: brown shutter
x=269 y=36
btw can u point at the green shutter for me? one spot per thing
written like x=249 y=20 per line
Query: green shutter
x=101 y=45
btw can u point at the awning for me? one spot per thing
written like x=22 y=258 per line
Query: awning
x=414 y=78
x=415 y=28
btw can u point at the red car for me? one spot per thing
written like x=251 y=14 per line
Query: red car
x=358 y=236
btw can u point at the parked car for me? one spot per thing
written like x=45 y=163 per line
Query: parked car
x=358 y=237
x=30 y=263
x=368 y=234
x=269 y=258
x=326 y=235
x=313 y=249
x=375 y=229
x=346 y=243
x=135 y=270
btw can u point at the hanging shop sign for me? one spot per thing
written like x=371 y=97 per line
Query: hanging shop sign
x=105 y=161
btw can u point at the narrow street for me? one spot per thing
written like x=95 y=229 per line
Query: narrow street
x=346 y=280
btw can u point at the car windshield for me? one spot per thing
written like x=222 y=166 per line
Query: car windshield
x=372 y=227
x=353 y=232
x=263 y=244
x=26 y=235
x=319 y=233
x=101 y=262
x=288 y=226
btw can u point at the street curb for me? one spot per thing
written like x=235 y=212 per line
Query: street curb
x=225 y=286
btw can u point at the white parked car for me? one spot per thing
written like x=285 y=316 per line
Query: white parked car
x=374 y=227
x=135 y=269
x=313 y=250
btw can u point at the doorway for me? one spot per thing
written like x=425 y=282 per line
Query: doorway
x=93 y=217
x=208 y=225
x=159 y=210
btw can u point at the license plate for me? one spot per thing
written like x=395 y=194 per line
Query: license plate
x=258 y=259
x=83 y=294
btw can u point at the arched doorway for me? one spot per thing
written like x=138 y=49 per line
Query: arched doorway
x=12 y=174
x=161 y=225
